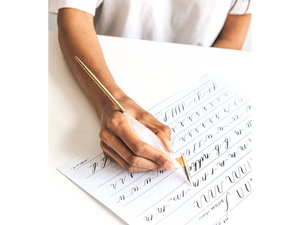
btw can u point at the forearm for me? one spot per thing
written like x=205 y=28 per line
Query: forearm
x=227 y=43
x=77 y=36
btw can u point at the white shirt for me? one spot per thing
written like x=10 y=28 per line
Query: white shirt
x=196 y=22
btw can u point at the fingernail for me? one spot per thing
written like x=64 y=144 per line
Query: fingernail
x=169 y=166
x=170 y=146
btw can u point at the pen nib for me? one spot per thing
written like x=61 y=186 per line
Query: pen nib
x=186 y=169
x=183 y=162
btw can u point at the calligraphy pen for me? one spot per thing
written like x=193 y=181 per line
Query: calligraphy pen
x=143 y=132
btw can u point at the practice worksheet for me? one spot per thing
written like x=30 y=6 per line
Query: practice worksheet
x=211 y=125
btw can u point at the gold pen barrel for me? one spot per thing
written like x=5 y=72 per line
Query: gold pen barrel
x=100 y=85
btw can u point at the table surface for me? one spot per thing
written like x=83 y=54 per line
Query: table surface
x=149 y=72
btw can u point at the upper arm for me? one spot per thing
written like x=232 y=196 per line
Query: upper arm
x=73 y=17
x=235 y=29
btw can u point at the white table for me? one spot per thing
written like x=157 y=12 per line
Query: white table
x=147 y=71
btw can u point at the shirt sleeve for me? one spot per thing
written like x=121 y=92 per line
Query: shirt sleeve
x=88 y=6
x=240 y=7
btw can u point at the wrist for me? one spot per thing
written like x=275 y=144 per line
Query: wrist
x=103 y=103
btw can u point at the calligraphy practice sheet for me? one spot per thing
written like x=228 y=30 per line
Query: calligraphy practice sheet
x=211 y=125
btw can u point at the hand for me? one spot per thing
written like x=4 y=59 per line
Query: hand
x=118 y=140
x=121 y=143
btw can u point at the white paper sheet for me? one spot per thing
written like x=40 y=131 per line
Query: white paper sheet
x=211 y=124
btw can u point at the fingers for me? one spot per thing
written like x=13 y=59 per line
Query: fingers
x=130 y=167
x=162 y=131
x=121 y=143
x=126 y=133
x=116 y=148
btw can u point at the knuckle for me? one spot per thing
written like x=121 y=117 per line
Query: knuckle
x=159 y=167
x=102 y=145
x=133 y=161
x=114 y=120
x=106 y=150
x=145 y=116
x=139 y=148
x=157 y=158
x=166 y=130
x=128 y=168
x=104 y=135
